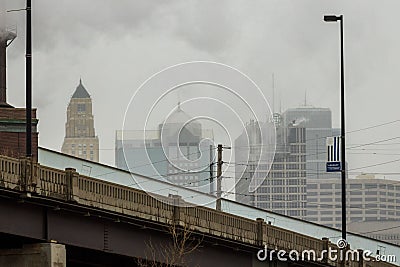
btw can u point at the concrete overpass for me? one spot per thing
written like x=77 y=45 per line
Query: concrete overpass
x=106 y=224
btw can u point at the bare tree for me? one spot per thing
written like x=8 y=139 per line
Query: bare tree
x=182 y=243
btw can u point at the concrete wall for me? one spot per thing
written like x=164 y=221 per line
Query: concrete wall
x=35 y=255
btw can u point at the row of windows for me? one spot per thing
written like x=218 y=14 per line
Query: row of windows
x=312 y=196
x=175 y=170
x=386 y=237
x=292 y=190
x=289 y=197
x=79 y=146
x=367 y=188
x=297 y=149
x=81 y=108
x=185 y=177
x=287 y=174
x=289 y=166
x=188 y=184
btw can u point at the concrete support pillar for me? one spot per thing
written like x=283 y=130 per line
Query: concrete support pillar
x=325 y=247
x=260 y=232
x=72 y=184
x=35 y=255
x=176 y=208
x=29 y=173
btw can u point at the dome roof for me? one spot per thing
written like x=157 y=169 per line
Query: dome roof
x=177 y=121
x=80 y=91
x=178 y=116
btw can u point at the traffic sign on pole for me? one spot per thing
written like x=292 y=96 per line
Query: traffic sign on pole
x=333 y=163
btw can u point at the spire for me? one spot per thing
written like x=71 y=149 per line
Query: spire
x=273 y=92
x=305 y=98
x=80 y=91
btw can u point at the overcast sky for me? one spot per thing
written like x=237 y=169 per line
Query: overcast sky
x=116 y=45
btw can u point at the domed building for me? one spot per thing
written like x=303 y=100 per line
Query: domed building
x=177 y=152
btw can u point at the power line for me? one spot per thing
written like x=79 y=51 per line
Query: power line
x=152 y=163
x=371 y=127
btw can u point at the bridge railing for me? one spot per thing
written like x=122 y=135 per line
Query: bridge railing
x=10 y=172
x=118 y=198
x=68 y=185
x=219 y=224
x=53 y=183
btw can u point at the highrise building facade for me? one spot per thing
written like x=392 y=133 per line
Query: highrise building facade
x=80 y=136
x=283 y=189
x=368 y=200
x=318 y=125
x=300 y=160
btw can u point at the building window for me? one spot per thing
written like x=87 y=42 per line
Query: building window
x=355 y=186
x=326 y=186
x=81 y=107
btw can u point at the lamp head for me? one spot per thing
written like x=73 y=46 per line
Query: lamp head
x=332 y=18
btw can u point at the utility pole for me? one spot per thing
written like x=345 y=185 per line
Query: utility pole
x=211 y=170
x=219 y=173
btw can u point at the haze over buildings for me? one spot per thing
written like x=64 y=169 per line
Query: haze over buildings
x=298 y=184
x=284 y=187
x=117 y=46
x=178 y=152
x=121 y=55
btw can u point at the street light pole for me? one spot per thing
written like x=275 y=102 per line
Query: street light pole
x=343 y=148
x=334 y=18
x=28 y=79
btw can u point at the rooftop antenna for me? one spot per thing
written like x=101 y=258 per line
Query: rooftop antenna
x=305 y=98
x=273 y=93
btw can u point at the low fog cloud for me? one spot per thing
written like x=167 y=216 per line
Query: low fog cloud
x=116 y=45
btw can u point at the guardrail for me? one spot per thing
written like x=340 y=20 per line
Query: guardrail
x=28 y=176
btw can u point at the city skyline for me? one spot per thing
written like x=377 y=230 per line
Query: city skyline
x=303 y=57
x=208 y=127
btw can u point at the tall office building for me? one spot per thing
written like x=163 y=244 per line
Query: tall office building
x=318 y=196
x=284 y=187
x=318 y=125
x=299 y=162
x=177 y=152
x=80 y=137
